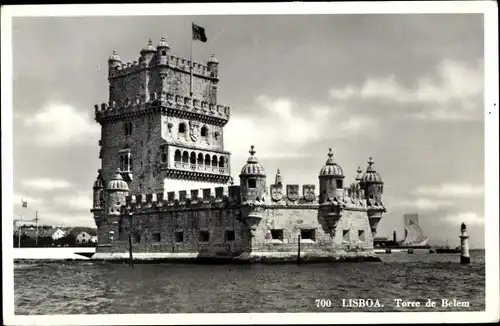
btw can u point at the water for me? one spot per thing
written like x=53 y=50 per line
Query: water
x=97 y=288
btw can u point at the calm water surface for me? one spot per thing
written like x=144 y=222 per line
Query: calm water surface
x=97 y=288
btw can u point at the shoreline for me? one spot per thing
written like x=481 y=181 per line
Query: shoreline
x=196 y=258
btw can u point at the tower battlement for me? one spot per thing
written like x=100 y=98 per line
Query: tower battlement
x=123 y=68
x=187 y=106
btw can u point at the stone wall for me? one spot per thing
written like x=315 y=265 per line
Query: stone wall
x=144 y=144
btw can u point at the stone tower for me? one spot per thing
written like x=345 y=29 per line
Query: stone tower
x=159 y=134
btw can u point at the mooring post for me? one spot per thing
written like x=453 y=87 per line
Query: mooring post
x=298 y=252
x=464 y=246
x=130 y=262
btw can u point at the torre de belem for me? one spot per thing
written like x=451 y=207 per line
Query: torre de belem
x=165 y=178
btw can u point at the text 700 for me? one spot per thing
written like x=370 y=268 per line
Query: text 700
x=323 y=303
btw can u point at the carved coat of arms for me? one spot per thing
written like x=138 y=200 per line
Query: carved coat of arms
x=194 y=130
x=276 y=192
x=292 y=192
x=309 y=192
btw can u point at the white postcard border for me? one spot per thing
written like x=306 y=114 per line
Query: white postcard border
x=488 y=8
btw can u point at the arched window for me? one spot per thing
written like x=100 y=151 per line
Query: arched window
x=182 y=128
x=214 y=161
x=200 y=159
x=185 y=157
x=130 y=128
x=126 y=129
x=221 y=162
x=177 y=156
x=204 y=132
x=192 y=158
x=207 y=160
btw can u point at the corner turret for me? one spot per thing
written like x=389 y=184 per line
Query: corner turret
x=148 y=52
x=373 y=187
x=252 y=179
x=114 y=62
x=163 y=51
x=116 y=193
x=98 y=192
x=331 y=179
x=213 y=66
x=372 y=184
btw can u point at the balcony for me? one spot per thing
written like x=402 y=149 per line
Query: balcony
x=200 y=168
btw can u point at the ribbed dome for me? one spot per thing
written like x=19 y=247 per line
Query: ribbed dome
x=253 y=166
x=358 y=178
x=371 y=176
x=117 y=182
x=163 y=43
x=114 y=57
x=331 y=168
x=149 y=48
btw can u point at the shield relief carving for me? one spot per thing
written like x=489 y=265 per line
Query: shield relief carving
x=276 y=192
x=194 y=130
x=308 y=192
x=292 y=192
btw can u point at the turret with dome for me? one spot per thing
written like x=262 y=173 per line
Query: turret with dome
x=252 y=178
x=331 y=178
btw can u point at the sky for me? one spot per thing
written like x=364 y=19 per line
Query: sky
x=404 y=89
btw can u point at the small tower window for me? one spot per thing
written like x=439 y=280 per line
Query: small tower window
x=229 y=235
x=192 y=158
x=252 y=183
x=185 y=157
x=204 y=236
x=221 y=162
x=207 y=160
x=204 y=131
x=339 y=184
x=214 y=161
x=182 y=128
x=200 y=159
x=179 y=236
x=163 y=52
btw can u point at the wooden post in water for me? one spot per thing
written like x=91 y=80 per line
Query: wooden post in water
x=298 y=252
x=131 y=259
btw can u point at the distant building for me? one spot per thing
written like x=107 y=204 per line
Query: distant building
x=83 y=237
x=57 y=234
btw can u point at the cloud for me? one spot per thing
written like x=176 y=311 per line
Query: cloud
x=280 y=127
x=75 y=202
x=46 y=184
x=421 y=204
x=453 y=91
x=469 y=218
x=450 y=190
x=58 y=124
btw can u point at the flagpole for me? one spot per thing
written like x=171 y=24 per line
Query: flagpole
x=191 y=68
x=36 y=225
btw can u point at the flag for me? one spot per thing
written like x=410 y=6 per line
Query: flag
x=199 y=33
x=24 y=203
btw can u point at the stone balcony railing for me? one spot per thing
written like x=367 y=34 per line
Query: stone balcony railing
x=200 y=168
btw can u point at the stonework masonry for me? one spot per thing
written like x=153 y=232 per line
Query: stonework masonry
x=157 y=136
